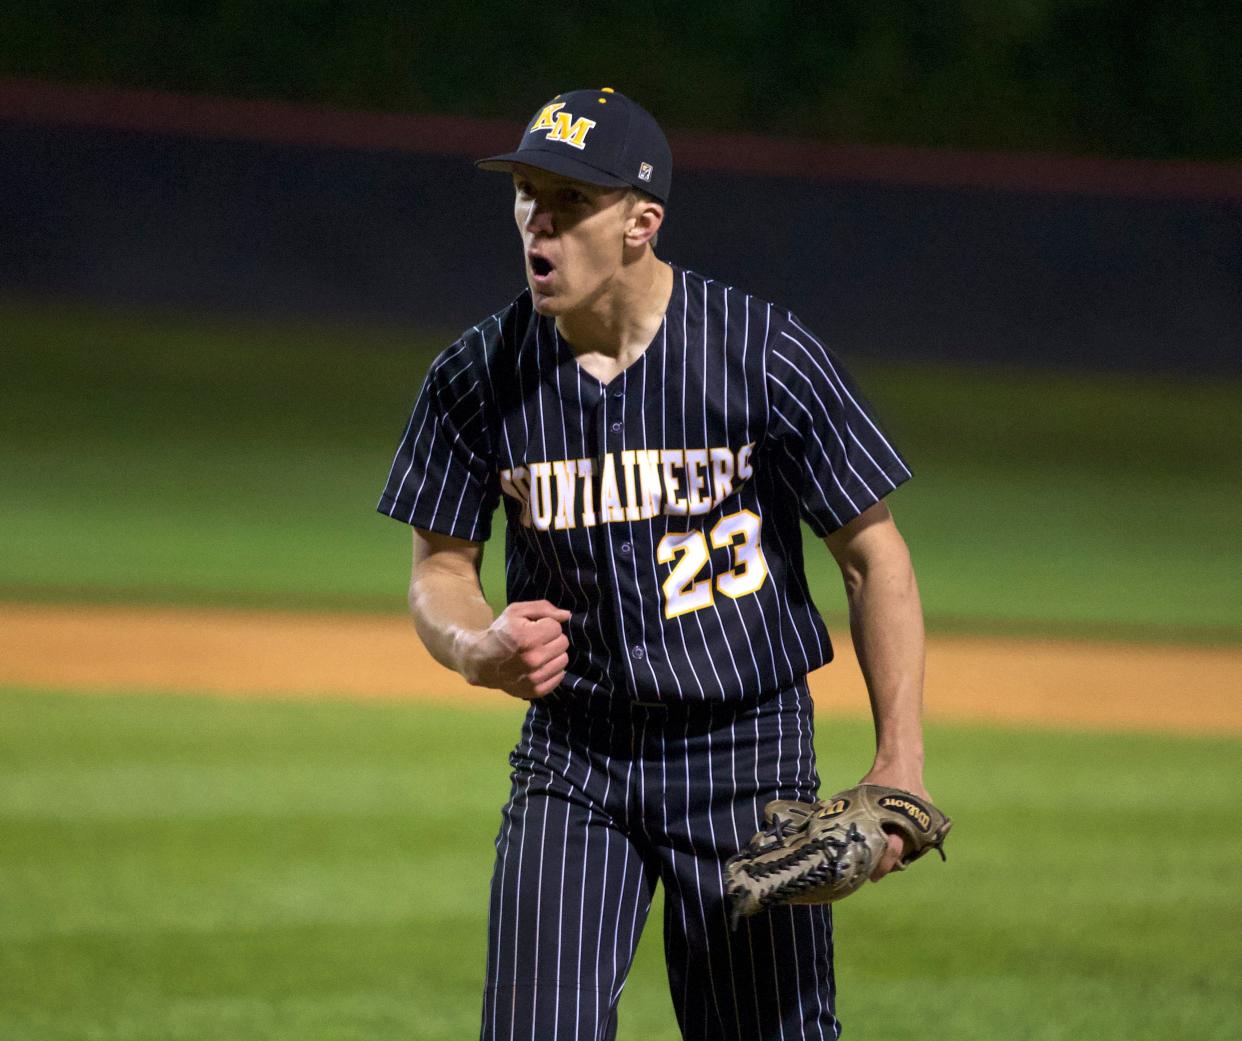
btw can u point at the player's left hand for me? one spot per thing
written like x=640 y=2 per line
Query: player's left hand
x=907 y=780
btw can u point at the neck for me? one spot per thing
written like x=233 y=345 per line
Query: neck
x=620 y=322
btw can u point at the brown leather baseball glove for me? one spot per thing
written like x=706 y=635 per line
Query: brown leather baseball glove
x=815 y=853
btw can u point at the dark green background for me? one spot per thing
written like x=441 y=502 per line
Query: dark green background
x=169 y=460
x=1101 y=77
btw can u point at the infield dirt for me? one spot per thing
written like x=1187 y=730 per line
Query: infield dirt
x=250 y=653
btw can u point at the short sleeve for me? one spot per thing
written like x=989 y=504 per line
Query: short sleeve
x=828 y=439
x=443 y=477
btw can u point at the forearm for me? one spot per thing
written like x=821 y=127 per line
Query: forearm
x=450 y=613
x=446 y=599
x=886 y=624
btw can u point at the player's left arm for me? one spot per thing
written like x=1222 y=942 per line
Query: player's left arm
x=886 y=624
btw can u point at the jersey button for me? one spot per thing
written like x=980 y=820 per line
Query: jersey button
x=637 y=652
x=625 y=548
x=616 y=428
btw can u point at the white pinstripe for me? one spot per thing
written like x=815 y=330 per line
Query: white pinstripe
x=589 y=533
x=698 y=878
x=810 y=471
x=846 y=391
x=707 y=441
x=724 y=911
x=746 y=397
x=435 y=430
x=599 y=936
x=784 y=602
x=405 y=476
x=655 y=567
x=807 y=740
x=841 y=401
x=504 y=873
x=529 y=539
x=826 y=418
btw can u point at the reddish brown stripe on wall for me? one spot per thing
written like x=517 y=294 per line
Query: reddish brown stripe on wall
x=280 y=122
x=944 y=168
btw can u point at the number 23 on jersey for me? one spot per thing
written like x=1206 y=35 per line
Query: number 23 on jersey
x=688 y=551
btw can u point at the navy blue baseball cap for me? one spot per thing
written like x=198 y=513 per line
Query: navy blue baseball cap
x=596 y=136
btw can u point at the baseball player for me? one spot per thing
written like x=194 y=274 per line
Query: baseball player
x=655 y=437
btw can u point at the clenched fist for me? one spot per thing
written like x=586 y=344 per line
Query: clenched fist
x=523 y=652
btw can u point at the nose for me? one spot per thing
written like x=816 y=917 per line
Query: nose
x=538 y=218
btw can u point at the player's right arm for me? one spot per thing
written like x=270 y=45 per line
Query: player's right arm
x=523 y=651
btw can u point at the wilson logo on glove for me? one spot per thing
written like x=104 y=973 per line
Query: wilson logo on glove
x=911 y=809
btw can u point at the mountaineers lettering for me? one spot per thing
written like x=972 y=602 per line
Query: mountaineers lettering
x=559 y=494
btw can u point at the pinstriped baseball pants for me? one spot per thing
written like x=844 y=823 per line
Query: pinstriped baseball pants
x=609 y=798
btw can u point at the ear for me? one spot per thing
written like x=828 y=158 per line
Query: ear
x=643 y=223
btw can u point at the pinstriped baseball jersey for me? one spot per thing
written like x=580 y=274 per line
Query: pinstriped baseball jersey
x=661 y=508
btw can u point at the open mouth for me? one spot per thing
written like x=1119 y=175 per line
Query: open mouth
x=541 y=266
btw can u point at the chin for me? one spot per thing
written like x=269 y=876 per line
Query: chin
x=548 y=305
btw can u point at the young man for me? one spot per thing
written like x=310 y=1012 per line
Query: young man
x=655 y=437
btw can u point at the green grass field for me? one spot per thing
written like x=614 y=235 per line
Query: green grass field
x=167 y=460
x=175 y=868
x=186 y=869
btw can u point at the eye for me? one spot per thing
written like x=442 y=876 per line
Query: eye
x=574 y=197
x=524 y=188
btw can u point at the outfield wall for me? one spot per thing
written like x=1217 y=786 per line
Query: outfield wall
x=283 y=211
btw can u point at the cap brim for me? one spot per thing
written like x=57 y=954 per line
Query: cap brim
x=553 y=162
